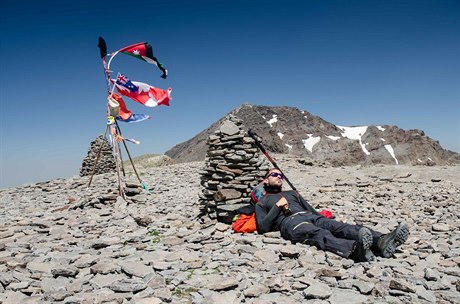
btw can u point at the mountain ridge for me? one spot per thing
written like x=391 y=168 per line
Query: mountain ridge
x=288 y=130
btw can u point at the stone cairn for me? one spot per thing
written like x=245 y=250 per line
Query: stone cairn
x=106 y=162
x=233 y=166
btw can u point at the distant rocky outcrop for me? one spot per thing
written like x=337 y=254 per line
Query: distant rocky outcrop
x=233 y=167
x=105 y=163
x=147 y=161
x=289 y=130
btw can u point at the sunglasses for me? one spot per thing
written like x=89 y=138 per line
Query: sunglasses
x=276 y=174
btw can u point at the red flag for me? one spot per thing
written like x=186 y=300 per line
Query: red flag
x=123 y=112
x=145 y=94
x=144 y=52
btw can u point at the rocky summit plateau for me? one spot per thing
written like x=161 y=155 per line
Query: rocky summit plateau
x=61 y=242
x=289 y=130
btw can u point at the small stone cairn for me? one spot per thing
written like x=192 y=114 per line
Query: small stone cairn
x=106 y=162
x=233 y=166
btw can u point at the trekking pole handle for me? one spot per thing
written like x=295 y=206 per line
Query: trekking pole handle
x=253 y=135
x=257 y=139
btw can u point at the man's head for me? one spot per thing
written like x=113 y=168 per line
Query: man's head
x=273 y=180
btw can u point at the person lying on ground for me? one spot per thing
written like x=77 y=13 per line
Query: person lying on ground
x=298 y=221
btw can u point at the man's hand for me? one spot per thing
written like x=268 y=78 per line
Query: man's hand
x=281 y=203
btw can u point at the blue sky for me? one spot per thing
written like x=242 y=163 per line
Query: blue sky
x=350 y=62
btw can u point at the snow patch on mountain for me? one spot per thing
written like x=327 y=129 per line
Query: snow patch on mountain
x=355 y=133
x=280 y=135
x=273 y=120
x=310 y=142
x=392 y=153
x=333 y=137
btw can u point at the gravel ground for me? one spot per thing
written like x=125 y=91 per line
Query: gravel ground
x=63 y=243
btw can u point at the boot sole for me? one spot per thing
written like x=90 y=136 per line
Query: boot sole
x=366 y=238
x=401 y=235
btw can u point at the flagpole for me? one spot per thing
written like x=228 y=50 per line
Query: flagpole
x=147 y=55
x=115 y=146
x=111 y=57
x=130 y=159
x=117 y=159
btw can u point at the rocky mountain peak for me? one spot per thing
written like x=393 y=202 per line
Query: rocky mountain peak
x=289 y=130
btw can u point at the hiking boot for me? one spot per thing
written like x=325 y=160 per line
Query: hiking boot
x=388 y=243
x=362 y=251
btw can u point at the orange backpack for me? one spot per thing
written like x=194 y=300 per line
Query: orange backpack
x=246 y=221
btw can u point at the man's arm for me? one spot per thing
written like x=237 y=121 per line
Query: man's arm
x=266 y=221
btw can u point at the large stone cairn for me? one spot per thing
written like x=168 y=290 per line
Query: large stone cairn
x=106 y=162
x=233 y=166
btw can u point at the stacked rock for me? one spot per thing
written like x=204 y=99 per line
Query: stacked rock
x=233 y=166
x=105 y=163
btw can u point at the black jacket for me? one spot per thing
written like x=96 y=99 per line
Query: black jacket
x=269 y=217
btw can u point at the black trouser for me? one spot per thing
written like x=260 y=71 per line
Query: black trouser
x=324 y=233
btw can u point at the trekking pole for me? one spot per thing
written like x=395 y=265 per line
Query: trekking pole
x=258 y=141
